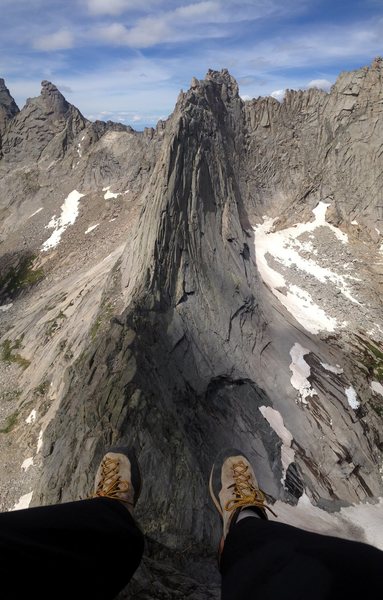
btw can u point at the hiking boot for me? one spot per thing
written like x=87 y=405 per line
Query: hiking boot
x=118 y=477
x=233 y=486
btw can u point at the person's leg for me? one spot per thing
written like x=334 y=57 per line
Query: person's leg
x=278 y=561
x=272 y=560
x=84 y=549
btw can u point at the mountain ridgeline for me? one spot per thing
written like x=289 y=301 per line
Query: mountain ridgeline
x=215 y=281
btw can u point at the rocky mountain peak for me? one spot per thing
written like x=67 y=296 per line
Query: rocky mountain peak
x=216 y=82
x=8 y=107
x=43 y=119
x=377 y=63
x=53 y=98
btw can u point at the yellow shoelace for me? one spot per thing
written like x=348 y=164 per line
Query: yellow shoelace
x=245 y=492
x=111 y=485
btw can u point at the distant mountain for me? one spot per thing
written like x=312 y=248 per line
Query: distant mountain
x=216 y=281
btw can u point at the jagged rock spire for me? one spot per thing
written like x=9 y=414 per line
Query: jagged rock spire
x=8 y=107
x=53 y=98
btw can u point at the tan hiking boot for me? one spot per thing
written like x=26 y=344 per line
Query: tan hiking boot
x=233 y=486
x=118 y=477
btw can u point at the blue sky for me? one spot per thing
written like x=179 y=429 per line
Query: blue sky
x=127 y=60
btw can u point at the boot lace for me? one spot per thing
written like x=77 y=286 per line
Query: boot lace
x=111 y=485
x=245 y=492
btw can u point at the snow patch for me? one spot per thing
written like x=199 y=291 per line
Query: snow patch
x=275 y=420
x=301 y=305
x=301 y=372
x=39 y=442
x=284 y=247
x=354 y=223
x=69 y=213
x=5 y=307
x=28 y=462
x=35 y=213
x=31 y=418
x=342 y=524
x=370 y=518
x=91 y=228
x=24 y=502
x=352 y=397
x=332 y=369
x=377 y=387
x=108 y=194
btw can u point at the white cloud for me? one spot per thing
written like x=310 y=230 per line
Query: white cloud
x=321 y=84
x=278 y=95
x=112 y=7
x=171 y=25
x=200 y=10
x=60 y=40
x=168 y=27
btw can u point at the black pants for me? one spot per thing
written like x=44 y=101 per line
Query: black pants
x=91 y=548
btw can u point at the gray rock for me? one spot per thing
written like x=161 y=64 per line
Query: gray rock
x=8 y=109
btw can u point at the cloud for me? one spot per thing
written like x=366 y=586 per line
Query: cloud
x=320 y=84
x=205 y=20
x=148 y=32
x=278 y=95
x=199 y=10
x=60 y=40
x=66 y=89
x=167 y=27
x=116 y=7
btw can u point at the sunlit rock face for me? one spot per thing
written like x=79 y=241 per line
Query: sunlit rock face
x=213 y=282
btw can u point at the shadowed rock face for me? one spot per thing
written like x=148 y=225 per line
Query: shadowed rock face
x=8 y=108
x=190 y=320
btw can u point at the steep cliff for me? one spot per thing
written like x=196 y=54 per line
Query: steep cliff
x=213 y=282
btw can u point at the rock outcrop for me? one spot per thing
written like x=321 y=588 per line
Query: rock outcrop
x=43 y=129
x=8 y=109
x=217 y=283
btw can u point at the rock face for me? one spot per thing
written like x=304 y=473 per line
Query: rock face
x=214 y=282
x=8 y=108
x=43 y=128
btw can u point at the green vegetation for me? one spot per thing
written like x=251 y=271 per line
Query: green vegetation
x=30 y=182
x=378 y=408
x=42 y=388
x=10 y=395
x=20 y=277
x=54 y=324
x=105 y=313
x=372 y=357
x=10 y=423
x=9 y=356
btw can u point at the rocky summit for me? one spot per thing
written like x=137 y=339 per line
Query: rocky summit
x=215 y=281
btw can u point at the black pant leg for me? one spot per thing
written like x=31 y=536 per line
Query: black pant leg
x=78 y=550
x=274 y=561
